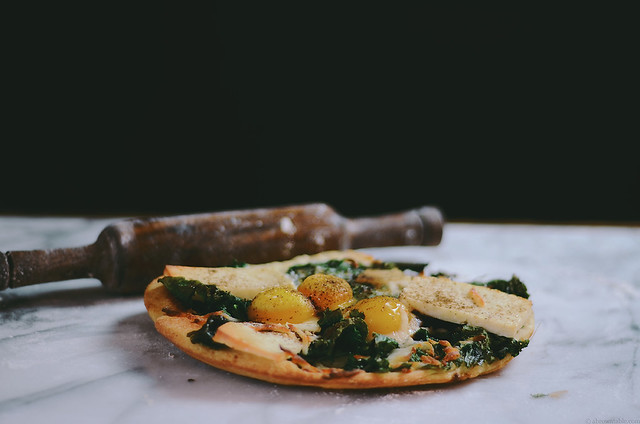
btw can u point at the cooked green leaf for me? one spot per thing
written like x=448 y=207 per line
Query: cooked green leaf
x=205 y=298
x=512 y=286
x=205 y=334
x=345 y=269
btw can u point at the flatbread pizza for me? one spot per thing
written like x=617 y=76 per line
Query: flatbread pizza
x=341 y=320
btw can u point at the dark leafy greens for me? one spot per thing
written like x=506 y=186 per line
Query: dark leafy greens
x=512 y=286
x=205 y=334
x=204 y=298
x=347 y=270
x=344 y=344
x=475 y=344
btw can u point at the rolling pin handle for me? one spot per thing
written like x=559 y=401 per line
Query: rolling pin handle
x=27 y=267
x=432 y=225
x=4 y=271
x=416 y=227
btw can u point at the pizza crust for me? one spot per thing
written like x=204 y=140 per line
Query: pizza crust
x=175 y=325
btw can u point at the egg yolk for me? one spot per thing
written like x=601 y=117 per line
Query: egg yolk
x=383 y=314
x=326 y=291
x=280 y=305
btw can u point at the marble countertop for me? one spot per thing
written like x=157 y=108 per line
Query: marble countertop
x=70 y=353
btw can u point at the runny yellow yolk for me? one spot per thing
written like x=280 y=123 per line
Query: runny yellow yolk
x=280 y=305
x=326 y=291
x=383 y=314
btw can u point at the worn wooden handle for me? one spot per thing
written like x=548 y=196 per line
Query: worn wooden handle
x=128 y=254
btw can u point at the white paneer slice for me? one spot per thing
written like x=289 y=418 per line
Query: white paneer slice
x=500 y=313
x=243 y=282
x=259 y=339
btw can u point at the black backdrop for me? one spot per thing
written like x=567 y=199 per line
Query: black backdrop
x=163 y=108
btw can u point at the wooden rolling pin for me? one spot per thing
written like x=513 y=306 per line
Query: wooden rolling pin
x=127 y=255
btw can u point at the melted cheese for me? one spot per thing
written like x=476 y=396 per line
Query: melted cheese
x=269 y=341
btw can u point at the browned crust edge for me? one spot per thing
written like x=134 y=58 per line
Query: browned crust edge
x=175 y=328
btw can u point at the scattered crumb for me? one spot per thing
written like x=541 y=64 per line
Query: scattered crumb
x=555 y=395
x=191 y=380
x=558 y=394
x=476 y=298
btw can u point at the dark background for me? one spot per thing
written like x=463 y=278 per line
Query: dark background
x=492 y=114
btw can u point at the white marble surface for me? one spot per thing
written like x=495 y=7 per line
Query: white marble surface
x=69 y=353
